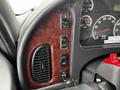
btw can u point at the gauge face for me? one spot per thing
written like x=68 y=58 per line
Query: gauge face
x=86 y=21
x=116 y=30
x=103 y=27
x=87 y=6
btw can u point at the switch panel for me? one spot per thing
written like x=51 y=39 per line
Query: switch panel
x=63 y=41
x=59 y=39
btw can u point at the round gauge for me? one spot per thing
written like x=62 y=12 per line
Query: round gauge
x=86 y=21
x=103 y=27
x=87 y=5
x=116 y=30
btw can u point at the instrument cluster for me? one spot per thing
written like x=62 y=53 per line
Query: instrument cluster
x=100 y=22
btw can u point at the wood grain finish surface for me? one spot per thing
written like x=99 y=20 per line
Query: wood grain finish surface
x=49 y=32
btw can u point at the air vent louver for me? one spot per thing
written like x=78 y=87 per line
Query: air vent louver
x=41 y=64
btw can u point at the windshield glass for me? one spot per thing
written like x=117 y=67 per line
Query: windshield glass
x=21 y=6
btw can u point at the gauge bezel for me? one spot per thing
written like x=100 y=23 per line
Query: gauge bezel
x=115 y=27
x=97 y=22
x=91 y=6
x=89 y=19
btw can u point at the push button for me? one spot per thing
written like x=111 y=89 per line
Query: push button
x=63 y=41
x=64 y=21
x=64 y=59
x=64 y=76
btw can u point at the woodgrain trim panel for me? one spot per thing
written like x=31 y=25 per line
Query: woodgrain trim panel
x=49 y=32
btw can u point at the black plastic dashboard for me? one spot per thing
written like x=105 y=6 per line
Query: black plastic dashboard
x=100 y=22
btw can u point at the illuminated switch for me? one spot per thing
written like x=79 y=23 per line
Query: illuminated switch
x=64 y=21
x=64 y=59
x=64 y=76
x=63 y=41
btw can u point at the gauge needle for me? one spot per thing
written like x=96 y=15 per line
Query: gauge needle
x=103 y=30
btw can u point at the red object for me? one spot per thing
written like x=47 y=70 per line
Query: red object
x=113 y=60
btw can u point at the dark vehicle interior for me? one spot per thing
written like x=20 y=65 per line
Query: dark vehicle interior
x=61 y=45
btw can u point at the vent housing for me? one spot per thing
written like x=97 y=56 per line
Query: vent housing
x=41 y=64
